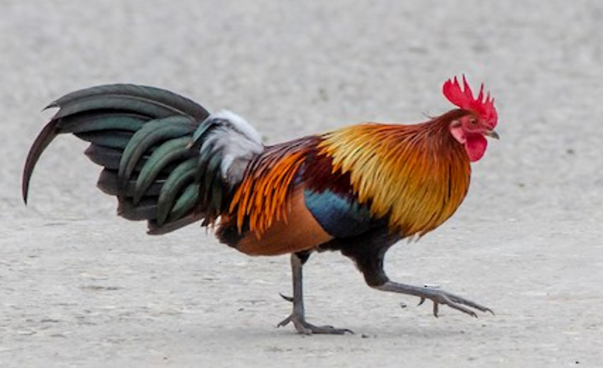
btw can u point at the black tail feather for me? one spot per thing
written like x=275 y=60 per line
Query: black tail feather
x=107 y=182
x=104 y=156
x=143 y=210
x=46 y=136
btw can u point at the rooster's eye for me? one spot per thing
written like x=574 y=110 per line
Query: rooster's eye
x=472 y=121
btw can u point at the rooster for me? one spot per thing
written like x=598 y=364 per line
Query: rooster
x=357 y=190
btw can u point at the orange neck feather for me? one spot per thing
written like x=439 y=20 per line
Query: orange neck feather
x=418 y=175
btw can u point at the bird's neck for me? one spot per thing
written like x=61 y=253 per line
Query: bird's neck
x=417 y=175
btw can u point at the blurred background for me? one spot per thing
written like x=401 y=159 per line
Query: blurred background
x=305 y=67
x=527 y=238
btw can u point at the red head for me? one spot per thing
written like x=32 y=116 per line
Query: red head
x=471 y=129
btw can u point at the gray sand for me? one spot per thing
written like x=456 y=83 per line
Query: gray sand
x=80 y=287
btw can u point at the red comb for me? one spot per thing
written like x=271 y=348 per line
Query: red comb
x=463 y=98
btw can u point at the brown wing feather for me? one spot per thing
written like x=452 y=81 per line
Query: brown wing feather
x=262 y=197
x=294 y=232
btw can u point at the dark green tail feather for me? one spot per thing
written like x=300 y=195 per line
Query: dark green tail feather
x=94 y=121
x=113 y=119
x=107 y=138
x=175 y=104
x=174 y=150
x=182 y=175
x=154 y=133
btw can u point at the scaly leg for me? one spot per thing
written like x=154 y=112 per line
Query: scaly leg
x=298 y=316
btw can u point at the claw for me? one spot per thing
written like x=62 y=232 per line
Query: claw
x=435 y=309
x=287 y=298
x=284 y=322
x=422 y=301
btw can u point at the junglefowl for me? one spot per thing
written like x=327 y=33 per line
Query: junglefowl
x=357 y=190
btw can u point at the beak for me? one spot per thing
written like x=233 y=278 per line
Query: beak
x=492 y=134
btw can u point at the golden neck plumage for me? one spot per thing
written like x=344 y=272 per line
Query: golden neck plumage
x=418 y=175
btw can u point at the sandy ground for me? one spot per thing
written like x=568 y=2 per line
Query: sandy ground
x=82 y=288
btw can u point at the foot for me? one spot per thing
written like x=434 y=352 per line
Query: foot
x=440 y=297
x=306 y=328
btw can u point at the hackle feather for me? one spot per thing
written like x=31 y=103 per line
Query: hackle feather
x=416 y=175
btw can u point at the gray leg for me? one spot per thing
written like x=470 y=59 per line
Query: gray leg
x=368 y=252
x=298 y=315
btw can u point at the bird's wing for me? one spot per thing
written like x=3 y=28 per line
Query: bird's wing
x=291 y=200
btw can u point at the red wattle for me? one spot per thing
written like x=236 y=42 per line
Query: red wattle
x=476 y=146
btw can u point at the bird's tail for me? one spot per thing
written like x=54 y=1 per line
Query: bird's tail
x=163 y=156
